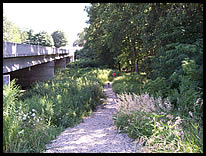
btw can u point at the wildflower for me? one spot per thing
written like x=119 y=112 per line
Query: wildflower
x=170 y=116
x=162 y=113
x=190 y=113
x=24 y=117
x=169 y=123
x=21 y=132
x=178 y=120
x=114 y=74
x=198 y=101
x=33 y=115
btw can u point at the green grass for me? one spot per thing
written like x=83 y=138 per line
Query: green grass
x=33 y=119
x=165 y=131
x=128 y=83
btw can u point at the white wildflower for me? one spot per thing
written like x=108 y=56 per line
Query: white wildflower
x=37 y=120
x=170 y=116
x=190 y=113
x=178 y=120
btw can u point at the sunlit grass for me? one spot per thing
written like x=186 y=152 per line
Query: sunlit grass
x=49 y=107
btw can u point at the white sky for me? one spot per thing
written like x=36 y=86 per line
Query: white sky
x=49 y=17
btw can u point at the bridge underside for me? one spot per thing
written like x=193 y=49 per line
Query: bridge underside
x=40 y=72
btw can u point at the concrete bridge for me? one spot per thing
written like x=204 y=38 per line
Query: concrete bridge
x=29 y=63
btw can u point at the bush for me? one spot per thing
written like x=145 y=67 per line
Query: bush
x=185 y=98
x=130 y=83
x=83 y=63
x=157 y=87
x=48 y=107
x=136 y=113
x=11 y=122
x=152 y=124
x=117 y=73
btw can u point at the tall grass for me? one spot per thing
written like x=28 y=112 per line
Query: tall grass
x=128 y=83
x=32 y=120
x=155 y=128
x=11 y=122
x=153 y=122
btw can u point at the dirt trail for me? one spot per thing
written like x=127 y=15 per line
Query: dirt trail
x=96 y=134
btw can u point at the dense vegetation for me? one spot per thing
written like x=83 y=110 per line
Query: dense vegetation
x=12 y=33
x=162 y=45
x=33 y=119
x=152 y=121
x=156 y=51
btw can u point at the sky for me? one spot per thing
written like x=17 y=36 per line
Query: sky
x=68 y=17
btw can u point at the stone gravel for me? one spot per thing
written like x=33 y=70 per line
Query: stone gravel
x=96 y=134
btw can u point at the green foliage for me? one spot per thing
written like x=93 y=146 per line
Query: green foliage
x=117 y=73
x=85 y=62
x=11 y=122
x=128 y=83
x=68 y=108
x=81 y=40
x=147 y=36
x=136 y=125
x=59 y=39
x=185 y=97
x=41 y=38
x=157 y=87
x=156 y=131
x=176 y=62
x=12 y=33
x=29 y=123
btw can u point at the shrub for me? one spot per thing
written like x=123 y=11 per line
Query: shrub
x=130 y=83
x=48 y=107
x=157 y=87
x=83 y=63
x=154 y=127
x=185 y=97
x=136 y=114
x=11 y=122
x=117 y=73
x=128 y=103
x=167 y=136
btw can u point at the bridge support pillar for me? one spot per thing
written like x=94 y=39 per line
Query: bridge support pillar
x=61 y=63
x=6 y=80
x=67 y=60
x=41 y=72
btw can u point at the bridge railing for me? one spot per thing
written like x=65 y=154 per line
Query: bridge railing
x=22 y=50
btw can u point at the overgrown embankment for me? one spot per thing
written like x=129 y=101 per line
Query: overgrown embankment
x=31 y=120
x=147 y=114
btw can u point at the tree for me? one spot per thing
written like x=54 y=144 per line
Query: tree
x=41 y=38
x=110 y=43
x=146 y=37
x=59 y=38
x=44 y=39
x=81 y=41
x=12 y=33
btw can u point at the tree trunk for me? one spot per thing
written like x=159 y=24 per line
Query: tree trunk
x=135 y=58
x=136 y=67
x=119 y=65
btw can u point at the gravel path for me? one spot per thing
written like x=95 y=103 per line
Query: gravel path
x=96 y=134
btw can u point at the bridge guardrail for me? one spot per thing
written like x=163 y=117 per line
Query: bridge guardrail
x=23 y=50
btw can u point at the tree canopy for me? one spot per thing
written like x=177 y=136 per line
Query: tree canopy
x=131 y=35
x=41 y=38
x=12 y=33
x=59 y=38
